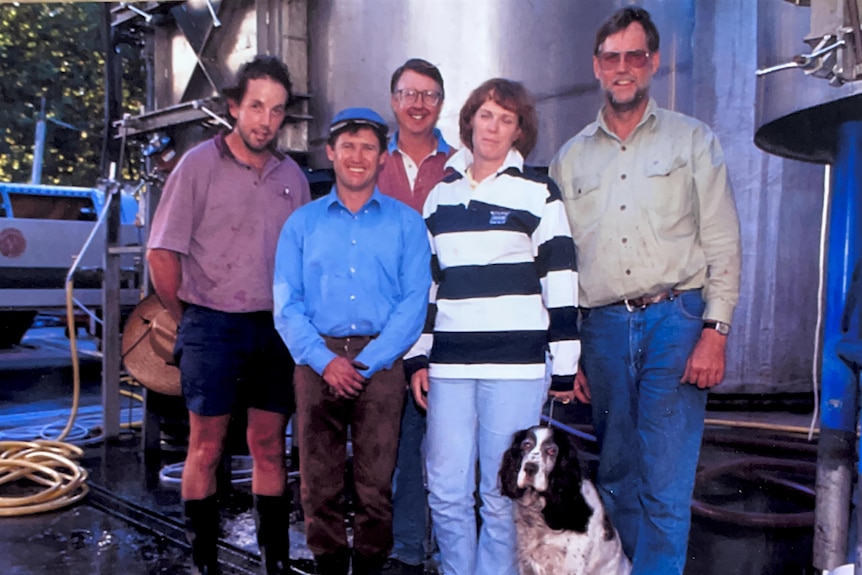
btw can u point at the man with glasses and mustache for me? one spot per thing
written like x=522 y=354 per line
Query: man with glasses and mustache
x=657 y=240
x=414 y=163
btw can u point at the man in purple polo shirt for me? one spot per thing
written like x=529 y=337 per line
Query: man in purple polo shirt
x=413 y=165
x=211 y=255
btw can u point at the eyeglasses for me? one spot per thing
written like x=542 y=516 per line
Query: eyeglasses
x=409 y=96
x=635 y=58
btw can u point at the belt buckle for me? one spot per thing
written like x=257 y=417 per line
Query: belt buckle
x=632 y=307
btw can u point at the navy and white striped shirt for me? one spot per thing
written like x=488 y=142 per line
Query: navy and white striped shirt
x=505 y=277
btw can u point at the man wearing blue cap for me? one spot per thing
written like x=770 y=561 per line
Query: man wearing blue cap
x=352 y=275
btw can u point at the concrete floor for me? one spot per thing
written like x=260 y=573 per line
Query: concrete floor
x=130 y=523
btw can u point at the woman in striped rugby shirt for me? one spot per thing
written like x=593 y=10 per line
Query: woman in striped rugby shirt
x=501 y=326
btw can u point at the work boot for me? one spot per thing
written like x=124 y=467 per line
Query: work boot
x=202 y=530
x=333 y=563
x=272 y=519
x=365 y=565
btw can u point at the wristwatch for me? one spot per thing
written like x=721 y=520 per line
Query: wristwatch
x=719 y=326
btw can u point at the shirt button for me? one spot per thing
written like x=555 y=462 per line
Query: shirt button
x=625 y=240
x=622 y=207
x=353 y=326
x=628 y=272
x=353 y=270
x=353 y=242
x=352 y=297
x=623 y=148
x=623 y=177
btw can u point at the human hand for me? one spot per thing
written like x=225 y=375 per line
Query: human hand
x=705 y=365
x=582 y=387
x=343 y=378
x=419 y=387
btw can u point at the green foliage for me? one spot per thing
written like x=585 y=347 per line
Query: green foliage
x=55 y=51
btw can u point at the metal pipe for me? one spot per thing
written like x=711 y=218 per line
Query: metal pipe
x=839 y=401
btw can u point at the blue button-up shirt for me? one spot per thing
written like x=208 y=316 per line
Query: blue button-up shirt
x=341 y=274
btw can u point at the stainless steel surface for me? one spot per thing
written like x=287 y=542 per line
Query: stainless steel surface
x=547 y=44
x=797 y=112
x=771 y=345
x=196 y=56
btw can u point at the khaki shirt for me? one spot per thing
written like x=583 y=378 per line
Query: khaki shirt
x=653 y=213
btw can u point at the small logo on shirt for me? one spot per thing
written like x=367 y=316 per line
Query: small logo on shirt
x=498 y=217
x=286 y=191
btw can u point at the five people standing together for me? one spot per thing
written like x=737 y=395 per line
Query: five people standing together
x=611 y=281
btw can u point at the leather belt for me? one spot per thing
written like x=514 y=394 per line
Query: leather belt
x=348 y=343
x=637 y=303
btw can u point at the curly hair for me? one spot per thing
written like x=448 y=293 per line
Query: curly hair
x=261 y=66
x=512 y=96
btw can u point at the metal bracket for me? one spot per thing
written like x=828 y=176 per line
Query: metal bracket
x=806 y=61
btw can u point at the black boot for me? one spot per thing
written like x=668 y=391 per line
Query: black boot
x=333 y=564
x=364 y=565
x=272 y=519
x=202 y=530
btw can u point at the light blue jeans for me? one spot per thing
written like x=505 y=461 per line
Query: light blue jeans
x=648 y=424
x=472 y=420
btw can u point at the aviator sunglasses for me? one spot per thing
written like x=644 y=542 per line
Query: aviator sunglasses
x=635 y=58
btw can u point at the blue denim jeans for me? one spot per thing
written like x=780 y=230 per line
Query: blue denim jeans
x=472 y=420
x=409 y=499
x=648 y=424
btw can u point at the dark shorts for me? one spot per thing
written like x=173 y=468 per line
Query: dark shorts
x=230 y=360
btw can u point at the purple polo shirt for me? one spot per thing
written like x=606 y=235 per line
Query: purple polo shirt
x=223 y=218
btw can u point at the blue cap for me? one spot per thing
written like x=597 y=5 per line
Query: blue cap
x=361 y=116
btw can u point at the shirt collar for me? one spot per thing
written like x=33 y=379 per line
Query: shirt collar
x=463 y=158
x=332 y=199
x=442 y=146
x=651 y=111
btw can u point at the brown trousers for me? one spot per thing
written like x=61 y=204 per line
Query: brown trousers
x=322 y=421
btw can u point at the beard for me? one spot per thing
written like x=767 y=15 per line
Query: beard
x=252 y=146
x=640 y=95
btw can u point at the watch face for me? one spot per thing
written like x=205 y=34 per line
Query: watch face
x=719 y=326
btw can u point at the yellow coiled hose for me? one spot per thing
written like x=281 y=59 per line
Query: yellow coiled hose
x=47 y=463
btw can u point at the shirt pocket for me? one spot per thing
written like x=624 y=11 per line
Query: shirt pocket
x=670 y=195
x=584 y=204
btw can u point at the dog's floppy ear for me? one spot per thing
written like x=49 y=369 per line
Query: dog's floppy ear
x=565 y=506
x=511 y=465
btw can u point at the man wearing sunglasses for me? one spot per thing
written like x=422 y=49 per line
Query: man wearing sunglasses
x=657 y=240
x=415 y=163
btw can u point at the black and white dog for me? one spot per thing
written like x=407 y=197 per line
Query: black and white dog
x=561 y=523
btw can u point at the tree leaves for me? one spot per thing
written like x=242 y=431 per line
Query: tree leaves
x=55 y=51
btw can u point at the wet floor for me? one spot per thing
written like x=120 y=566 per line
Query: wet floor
x=131 y=521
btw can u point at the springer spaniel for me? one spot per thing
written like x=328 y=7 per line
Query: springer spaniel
x=561 y=523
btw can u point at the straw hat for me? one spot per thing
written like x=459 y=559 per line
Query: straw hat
x=148 y=347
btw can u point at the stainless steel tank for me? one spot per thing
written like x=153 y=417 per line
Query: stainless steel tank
x=709 y=51
x=798 y=109
x=547 y=44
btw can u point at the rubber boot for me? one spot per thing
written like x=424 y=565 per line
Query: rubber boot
x=202 y=531
x=333 y=564
x=364 y=565
x=272 y=519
